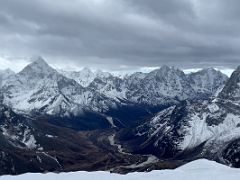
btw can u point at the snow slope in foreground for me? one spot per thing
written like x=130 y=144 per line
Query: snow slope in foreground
x=197 y=170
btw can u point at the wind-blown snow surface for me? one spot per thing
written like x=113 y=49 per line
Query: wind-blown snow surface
x=197 y=170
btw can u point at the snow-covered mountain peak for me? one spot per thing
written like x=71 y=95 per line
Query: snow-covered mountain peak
x=86 y=70
x=169 y=76
x=207 y=82
x=38 y=67
x=165 y=68
x=39 y=86
x=166 y=72
x=83 y=77
x=38 y=59
x=39 y=62
x=160 y=86
x=209 y=70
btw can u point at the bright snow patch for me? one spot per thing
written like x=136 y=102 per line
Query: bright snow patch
x=197 y=170
x=199 y=131
x=110 y=120
x=213 y=107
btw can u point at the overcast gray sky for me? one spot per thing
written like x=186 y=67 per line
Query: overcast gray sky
x=121 y=34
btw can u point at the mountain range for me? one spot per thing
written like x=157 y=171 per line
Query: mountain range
x=53 y=120
x=39 y=86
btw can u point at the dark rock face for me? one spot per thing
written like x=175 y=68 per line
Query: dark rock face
x=89 y=121
x=161 y=135
x=231 y=154
x=231 y=90
x=213 y=120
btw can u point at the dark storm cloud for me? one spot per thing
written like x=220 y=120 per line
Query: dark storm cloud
x=123 y=33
